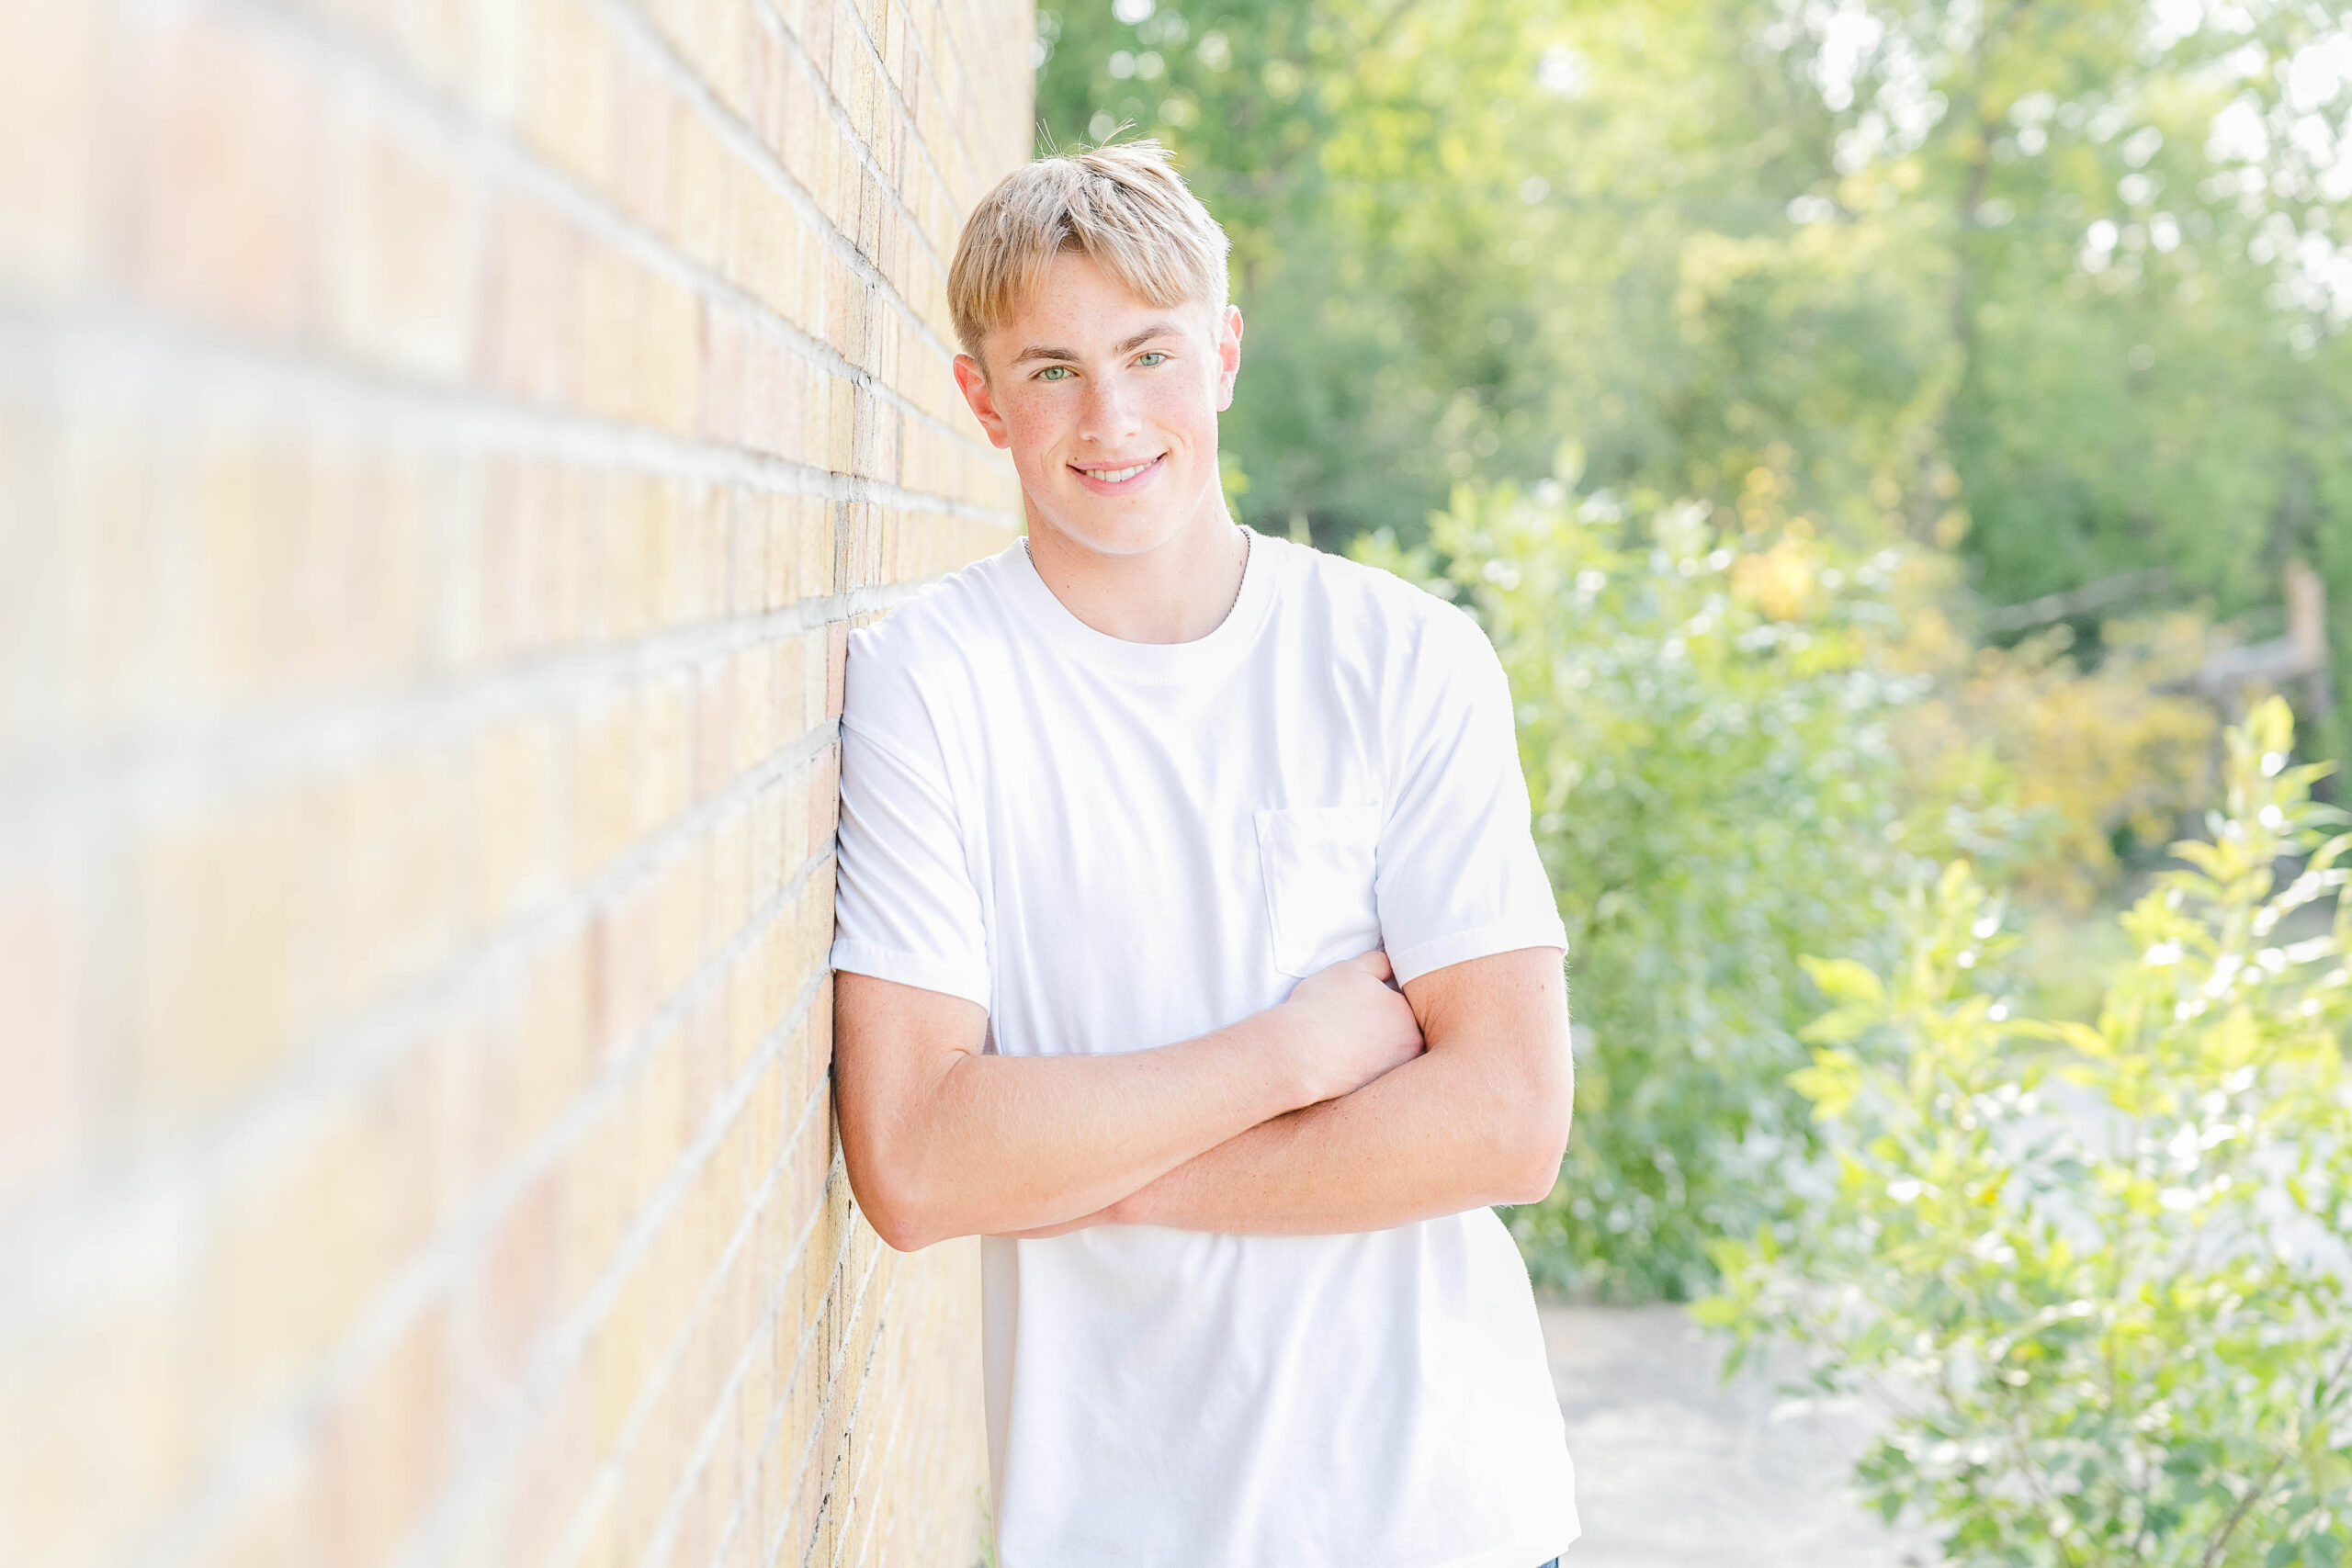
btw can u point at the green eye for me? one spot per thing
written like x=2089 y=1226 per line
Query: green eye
x=1150 y=357
x=1054 y=373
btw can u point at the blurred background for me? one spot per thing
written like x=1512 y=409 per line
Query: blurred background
x=1900 y=453
x=1892 y=445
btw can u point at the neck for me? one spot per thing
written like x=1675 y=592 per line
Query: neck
x=1177 y=591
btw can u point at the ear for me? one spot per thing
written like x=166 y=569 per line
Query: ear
x=1229 y=355
x=973 y=382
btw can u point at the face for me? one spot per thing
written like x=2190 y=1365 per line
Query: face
x=1109 y=405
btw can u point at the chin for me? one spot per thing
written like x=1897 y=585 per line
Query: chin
x=1118 y=531
x=1121 y=536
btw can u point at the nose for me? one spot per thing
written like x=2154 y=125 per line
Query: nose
x=1108 y=415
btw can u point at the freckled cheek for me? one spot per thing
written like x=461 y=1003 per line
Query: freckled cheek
x=1181 y=412
x=1035 y=428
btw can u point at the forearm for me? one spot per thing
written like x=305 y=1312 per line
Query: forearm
x=1482 y=1117
x=996 y=1145
x=1429 y=1139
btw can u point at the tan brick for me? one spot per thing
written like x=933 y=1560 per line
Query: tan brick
x=525 y=339
x=644 y=112
x=716 y=730
x=224 y=176
x=218 y=907
x=387 y=1444
x=556 y=1049
x=389 y=569
x=731 y=874
x=568 y=88
x=665 y=762
x=407 y=899
x=402 y=237
x=522 y=1277
x=700 y=209
x=254 y=564
x=516 y=815
x=94 y=1425
x=300 y=1249
x=51 y=198
x=619 y=1356
x=678 y=920
x=670 y=372
x=50 y=935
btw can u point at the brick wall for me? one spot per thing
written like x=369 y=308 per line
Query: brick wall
x=443 y=445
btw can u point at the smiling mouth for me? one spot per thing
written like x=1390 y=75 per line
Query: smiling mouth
x=1120 y=476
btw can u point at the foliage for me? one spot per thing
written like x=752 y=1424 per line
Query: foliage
x=1703 y=730
x=2063 y=286
x=2099 y=1272
x=2078 y=768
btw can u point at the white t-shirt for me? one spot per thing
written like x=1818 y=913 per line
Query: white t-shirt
x=1113 y=845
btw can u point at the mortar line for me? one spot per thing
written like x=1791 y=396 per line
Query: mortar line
x=770 y=1431
x=841 y=1487
x=611 y=1469
x=449 y=1513
x=731 y=128
x=714 y=1420
x=77 y=343
x=717 y=109
x=773 y=19
x=182 y=772
x=505 y=155
x=806 y=1363
x=860 y=1464
x=834 y=1365
x=250 y=1457
x=74 y=1239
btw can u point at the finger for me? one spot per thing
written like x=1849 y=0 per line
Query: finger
x=1375 y=964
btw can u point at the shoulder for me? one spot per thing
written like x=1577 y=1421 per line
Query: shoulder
x=1371 y=608
x=938 y=635
x=939 y=617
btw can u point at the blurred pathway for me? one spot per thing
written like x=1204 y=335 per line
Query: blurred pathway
x=1675 y=1469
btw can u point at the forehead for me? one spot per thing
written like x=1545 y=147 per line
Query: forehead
x=1078 y=304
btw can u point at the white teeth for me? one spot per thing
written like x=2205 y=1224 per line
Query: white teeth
x=1119 y=476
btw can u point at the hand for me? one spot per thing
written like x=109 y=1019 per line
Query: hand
x=1348 y=1025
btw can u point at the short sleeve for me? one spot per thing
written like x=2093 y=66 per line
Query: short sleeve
x=905 y=906
x=1456 y=873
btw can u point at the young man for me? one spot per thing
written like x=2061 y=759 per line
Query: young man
x=1140 y=820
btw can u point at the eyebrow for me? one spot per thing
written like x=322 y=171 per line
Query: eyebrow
x=1156 y=329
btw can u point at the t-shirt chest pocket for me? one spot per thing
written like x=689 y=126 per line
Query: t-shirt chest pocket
x=1318 y=867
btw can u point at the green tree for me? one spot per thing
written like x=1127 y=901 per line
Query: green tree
x=2060 y=284
x=1703 y=720
x=2141 y=211
x=2098 y=1271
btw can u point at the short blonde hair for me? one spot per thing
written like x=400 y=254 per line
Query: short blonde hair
x=1124 y=206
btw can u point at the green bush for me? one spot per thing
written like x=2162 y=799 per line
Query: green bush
x=1703 y=728
x=2099 y=1273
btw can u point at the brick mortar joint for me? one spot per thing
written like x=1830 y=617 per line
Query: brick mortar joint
x=427 y=1542
x=905 y=112
x=833 y=1368
x=522 y=166
x=730 y=126
x=212 y=1157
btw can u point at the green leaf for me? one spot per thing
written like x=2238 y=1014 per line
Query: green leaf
x=1844 y=980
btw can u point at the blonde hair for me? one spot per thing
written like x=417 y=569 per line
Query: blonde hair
x=1124 y=206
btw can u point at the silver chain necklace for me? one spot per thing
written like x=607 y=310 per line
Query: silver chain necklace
x=1249 y=541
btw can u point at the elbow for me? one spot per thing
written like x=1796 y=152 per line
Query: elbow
x=895 y=1207
x=903 y=1227
x=898 y=1232
x=1532 y=1176
x=1540 y=1142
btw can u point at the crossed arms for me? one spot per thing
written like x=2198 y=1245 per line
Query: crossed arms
x=1348 y=1108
